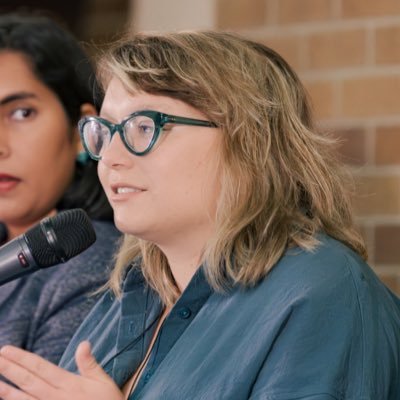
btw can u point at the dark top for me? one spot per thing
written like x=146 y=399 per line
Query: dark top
x=40 y=312
x=320 y=326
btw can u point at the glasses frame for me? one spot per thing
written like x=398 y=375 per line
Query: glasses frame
x=160 y=119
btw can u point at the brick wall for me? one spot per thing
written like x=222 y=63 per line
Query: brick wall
x=347 y=52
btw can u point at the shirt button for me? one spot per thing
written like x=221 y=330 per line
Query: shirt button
x=184 y=313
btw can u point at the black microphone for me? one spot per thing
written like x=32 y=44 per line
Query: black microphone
x=52 y=241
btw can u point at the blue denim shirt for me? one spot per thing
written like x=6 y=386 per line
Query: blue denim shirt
x=320 y=326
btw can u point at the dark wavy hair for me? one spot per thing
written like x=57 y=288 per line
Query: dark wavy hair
x=58 y=61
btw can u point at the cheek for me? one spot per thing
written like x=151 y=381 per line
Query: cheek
x=101 y=172
x=52 y=168
x=54 y=174
x=191 y=184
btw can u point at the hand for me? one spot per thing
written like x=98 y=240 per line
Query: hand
x=38 y=379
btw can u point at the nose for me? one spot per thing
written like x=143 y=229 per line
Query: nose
x=4 y=146
x=116 y=155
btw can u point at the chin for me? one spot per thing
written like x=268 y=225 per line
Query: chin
x=129 y=227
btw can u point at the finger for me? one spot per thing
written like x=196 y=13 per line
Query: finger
x=28 y=382
x=45 y=370
x=87 y=364
x=8 y=392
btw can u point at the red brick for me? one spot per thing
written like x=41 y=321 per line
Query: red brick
x=378 y=195
x=363 y=8
x=304 y=10
x=388 y=45
x=391 y=281
x=336 y=49
x=322 y=95
x=371 y=96
x=387 y=240
x=352 y=146
x=387 y=150
x=237 y=14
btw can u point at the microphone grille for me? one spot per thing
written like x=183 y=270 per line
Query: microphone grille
x=73 y=233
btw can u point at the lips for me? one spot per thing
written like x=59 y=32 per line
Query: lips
x=8 y=182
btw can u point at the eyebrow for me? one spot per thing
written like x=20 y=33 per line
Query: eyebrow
x=16 y=96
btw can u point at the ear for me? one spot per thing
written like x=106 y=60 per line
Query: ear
x=86 y=109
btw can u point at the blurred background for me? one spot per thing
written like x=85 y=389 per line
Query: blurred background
x=347 y=53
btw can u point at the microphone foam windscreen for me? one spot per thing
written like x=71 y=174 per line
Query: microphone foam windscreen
x=72 y=232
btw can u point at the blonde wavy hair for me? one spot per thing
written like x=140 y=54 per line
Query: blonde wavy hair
x=281 y=184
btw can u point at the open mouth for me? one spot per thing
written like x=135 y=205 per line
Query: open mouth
x=8 y=182
x=121 y=188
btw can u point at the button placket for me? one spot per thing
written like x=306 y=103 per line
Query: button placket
x=184 y=313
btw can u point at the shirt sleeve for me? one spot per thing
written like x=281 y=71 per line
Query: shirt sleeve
x=319 y=349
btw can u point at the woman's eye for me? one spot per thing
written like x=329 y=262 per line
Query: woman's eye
x=21 y=114
x=146 y=129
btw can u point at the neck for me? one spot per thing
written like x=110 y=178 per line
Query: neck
x=184 y=256
x=17 y=228
x=183 y=267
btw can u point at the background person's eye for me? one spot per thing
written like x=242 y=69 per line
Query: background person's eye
x=21 y=114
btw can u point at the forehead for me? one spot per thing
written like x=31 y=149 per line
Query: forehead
x=16 y=71
x=119 y=102
x=16 y=76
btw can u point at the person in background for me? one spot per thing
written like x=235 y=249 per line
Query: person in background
x=242 y=274
x=46 y=85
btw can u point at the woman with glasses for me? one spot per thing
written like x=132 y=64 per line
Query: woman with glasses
x=241 y=274
x=46 y=85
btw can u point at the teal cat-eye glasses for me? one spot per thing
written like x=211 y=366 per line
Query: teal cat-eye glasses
x=139 y=131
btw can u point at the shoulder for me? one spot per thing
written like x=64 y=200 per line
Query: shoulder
x=332 y=303
x=330 y=280
x=21 y=293
x=88 y=270
x=101 y=252
x=329 y=263
x=330 y=274
x=105 y=231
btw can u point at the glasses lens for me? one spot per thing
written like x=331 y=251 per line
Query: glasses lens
x=139 y=132
x=96 y=136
